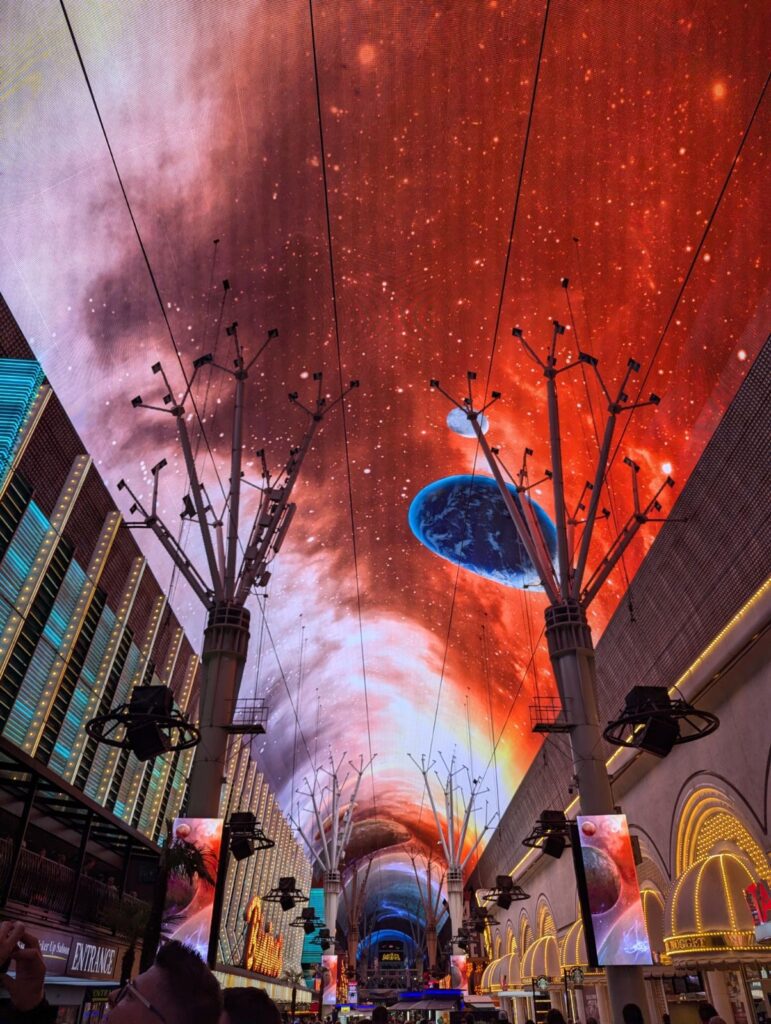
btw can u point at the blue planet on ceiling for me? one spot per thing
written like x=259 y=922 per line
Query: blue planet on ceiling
x=465 y=520
x=459 y=423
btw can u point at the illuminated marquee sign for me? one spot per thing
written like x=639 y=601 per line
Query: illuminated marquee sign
x=264 y=954
x=759 y=899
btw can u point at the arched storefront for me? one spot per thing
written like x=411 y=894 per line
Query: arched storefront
x=708 y=927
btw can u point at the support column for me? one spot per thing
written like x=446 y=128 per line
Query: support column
x=126 y=865
x=556 y=998
x=603 y=1003
x=455 y=901
x=18 y=839
x=81 y=862
x=718 y=994
x=431 y=942
x=332 y=889
x=225 y=643
x=572 y=656
x=578 y=995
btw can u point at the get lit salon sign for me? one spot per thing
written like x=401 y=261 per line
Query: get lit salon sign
x=76 y=956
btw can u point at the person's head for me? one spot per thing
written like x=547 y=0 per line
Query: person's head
x=178 y=989
x=554 y=1017
x=380 y=1015
x=247 y=1006
x=706 y=1011
x=632 y=1014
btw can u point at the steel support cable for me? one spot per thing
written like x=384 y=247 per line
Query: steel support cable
x=694 y=261
x=145 y=256
x=346 y=446
x=492 y=720
x=514 y=700
x=496 y=328
x=284 y=680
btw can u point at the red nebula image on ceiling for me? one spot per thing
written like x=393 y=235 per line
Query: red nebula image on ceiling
x=475 y=155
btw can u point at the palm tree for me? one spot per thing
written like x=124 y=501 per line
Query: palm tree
x=128 y=919
x=181 y=862
x=293 y=978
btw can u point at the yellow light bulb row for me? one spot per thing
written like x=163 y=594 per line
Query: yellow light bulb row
x=104 y=546
x=42 y=560
x=124 y=610
x=26 y=431
x=145 y=650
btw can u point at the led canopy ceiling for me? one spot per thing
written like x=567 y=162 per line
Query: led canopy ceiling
x=474 y=155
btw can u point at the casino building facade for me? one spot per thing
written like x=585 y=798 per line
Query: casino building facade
x=82 y=621
x=699 y=625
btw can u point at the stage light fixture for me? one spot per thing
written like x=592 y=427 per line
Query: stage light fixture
x=148 y=706
x=286 y=893
x=550 y=834
x=652 y=721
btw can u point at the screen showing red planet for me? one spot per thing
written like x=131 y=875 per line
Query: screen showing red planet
x=612 y=892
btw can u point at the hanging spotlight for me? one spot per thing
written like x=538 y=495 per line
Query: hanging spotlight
x=148 y=725
x=286 y=894
x=652 y=721
x=550 y=834
x=505 y=892
x=307 y=921
x=246 y=835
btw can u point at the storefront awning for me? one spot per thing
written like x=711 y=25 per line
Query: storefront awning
x=500 y=973
x=541 y=958
x=573 y=947
x=707 y=916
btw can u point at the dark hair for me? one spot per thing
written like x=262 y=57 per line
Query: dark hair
x=194 y=992
x=632 y=1014
x=706 y=1010
x=554 y=1017
x=249 y=1005
x=380 y=1015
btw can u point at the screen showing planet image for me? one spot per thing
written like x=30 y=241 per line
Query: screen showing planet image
x=189 y=903
x=613 y=894
x=464 y=519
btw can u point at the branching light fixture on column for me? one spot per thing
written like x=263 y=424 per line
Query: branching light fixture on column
x=354 y=895
x=570 y=585
x=231 y=576
x=326 y=804
x=431 y=900
x=458 y=811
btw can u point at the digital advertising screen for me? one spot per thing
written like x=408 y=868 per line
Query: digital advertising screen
x=329 y=979
x=189 y=906
x=611 y=896
x=459 y=971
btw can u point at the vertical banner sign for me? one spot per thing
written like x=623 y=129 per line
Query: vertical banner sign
x=612 y=895
x=329 y=980
x=759 y=899
x=187 y=915
x=459 y=971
